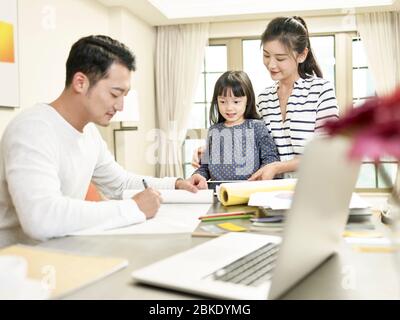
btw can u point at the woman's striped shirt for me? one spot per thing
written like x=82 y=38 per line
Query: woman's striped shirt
x=311 y=103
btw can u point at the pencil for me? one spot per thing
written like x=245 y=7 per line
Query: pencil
x=242 y=216
x=226 y=214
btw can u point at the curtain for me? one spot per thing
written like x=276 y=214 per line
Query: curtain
x=380 y=32
x=179 y=56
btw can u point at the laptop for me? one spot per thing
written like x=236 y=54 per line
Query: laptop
x=257 y=266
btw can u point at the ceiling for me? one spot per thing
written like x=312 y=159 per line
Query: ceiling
x=164 y=12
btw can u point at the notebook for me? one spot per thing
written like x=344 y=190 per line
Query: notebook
x=254 y=266
x=281 y=200
x=64 y=272
x=178 y=196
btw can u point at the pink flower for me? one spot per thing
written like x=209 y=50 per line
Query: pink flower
x=374 y=126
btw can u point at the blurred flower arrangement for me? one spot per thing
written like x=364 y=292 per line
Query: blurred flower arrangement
x=374 y=128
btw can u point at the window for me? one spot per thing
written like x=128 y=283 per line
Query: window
x=253 y=65
x=324 y=50
x=363 y=88
x=215 y=64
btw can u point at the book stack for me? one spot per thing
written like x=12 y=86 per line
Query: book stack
x=273 y=223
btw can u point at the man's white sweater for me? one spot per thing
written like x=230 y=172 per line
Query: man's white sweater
x=46 y=166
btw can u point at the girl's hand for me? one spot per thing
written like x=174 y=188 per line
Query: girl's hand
x=199 y=181
x=198 y=153
x=268 y=172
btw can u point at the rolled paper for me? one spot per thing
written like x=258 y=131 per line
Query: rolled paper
x=239 y=193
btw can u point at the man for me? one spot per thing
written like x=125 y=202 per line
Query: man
x=51 y=152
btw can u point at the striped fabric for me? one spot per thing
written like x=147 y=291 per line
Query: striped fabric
x=311 y=103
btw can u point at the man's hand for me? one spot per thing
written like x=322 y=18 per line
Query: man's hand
x=198 y=153
x=267 y=172
x=192 y=184
x=148 y=202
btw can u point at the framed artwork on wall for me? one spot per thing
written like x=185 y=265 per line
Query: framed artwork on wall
x=9 y=62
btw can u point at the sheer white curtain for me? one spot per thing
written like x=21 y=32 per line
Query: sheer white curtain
x=179 y=55
x=380 y=32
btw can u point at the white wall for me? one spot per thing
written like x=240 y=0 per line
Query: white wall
x=45 y=33
x=48 y=28
x=324 y=24
x=141 y=38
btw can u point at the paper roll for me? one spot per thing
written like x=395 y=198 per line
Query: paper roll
x=239 y=193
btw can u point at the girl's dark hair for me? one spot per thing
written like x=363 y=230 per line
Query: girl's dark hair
x=93 y=56
x=292 y=32
x=240 y=84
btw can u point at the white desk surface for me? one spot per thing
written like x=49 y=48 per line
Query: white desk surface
x=347 y=275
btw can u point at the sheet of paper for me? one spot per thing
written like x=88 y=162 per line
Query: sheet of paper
x=282 y=200
x=367 y=241
x=276 y=200
x=171 y=218
x=178 y=196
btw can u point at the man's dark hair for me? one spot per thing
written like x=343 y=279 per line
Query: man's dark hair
x=93 y=56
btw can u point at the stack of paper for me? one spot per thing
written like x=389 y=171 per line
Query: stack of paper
x=170 y=219
x=282 y=200
x=178 y=196
x=272 y=223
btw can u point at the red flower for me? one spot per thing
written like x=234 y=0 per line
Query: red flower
x=375 y=127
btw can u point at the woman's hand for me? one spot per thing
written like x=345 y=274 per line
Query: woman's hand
x=268 y=172
x=198 y=153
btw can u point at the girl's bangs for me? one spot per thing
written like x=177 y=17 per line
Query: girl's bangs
x=231 y=87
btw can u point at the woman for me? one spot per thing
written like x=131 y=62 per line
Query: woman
x=295 y=108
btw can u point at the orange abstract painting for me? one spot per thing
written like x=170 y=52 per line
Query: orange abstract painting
x=6 y=42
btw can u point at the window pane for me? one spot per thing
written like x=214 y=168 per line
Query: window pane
x=200 y=93
x=197 y=118
x=211 y=78
x=366 y=177
x=388 y=159
x=324 y=50
x=358 y=102
x=391 y=171
x=359 y=56
x=363 y=85
x=190 y=146
x=254 y=66
x=216 y=58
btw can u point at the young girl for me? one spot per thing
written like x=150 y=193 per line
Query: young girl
x=238 y=143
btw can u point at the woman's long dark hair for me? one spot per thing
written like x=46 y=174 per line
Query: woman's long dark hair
x=292 y=32
x=240 y=84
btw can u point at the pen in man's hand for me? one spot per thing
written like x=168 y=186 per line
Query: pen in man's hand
x=145 y=184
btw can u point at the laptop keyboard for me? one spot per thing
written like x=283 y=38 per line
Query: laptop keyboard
x=252 y=269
